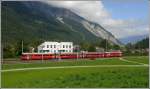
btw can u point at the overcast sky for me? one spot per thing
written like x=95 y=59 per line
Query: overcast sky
x=122 y=18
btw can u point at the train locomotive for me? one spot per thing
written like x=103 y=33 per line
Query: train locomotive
x=86 y=55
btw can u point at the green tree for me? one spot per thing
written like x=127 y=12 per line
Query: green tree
x=8 y=51
x=91 y=48
x=84 y=46
x=105 y=44
x=116 y=47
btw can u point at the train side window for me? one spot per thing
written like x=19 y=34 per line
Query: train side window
x=24 y=55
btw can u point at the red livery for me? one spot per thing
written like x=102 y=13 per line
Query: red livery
x=48 y=56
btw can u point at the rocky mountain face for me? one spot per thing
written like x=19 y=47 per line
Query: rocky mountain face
x=99 y=31
x=34 y=20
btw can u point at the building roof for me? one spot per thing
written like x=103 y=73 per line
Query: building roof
x=49 y=42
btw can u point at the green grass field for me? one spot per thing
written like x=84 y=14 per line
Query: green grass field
x=141 y=59
x=101 y=61
x=103 y=77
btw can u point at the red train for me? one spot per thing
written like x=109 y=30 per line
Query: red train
x=48 y=56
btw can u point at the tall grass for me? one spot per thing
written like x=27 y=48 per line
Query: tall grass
x=78 y=78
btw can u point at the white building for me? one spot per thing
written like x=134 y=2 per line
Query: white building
x=55 y=47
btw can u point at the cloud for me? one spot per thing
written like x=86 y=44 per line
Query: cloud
x=91 y=10
x=122 y=28
x=96 y=12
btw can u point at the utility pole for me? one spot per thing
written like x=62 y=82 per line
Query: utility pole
x=59 y=51
x=22 y=46
x=77 y=55
x=1 y=56
x=78 y=52
x=107 y=39
x=106 y=45
x=59 y=57
x=140 y=49
x=42 y=53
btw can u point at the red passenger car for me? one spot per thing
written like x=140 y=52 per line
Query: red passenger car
x=48 y=56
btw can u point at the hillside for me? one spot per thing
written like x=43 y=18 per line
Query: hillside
x=144 y=43
x=35 y=22
x=139 y=48
x=133 y=39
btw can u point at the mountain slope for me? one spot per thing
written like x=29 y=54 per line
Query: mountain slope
x=31 y=21
x=35 y=22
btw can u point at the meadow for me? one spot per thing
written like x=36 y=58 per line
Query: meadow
x=103 y=77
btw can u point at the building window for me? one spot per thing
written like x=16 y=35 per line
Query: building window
x=41 y=51
x=47 y=46
x=69 y=46
x=54 y=46
x=47 y=51
x=51 y=46
x=63 y=46
x=66 y=46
